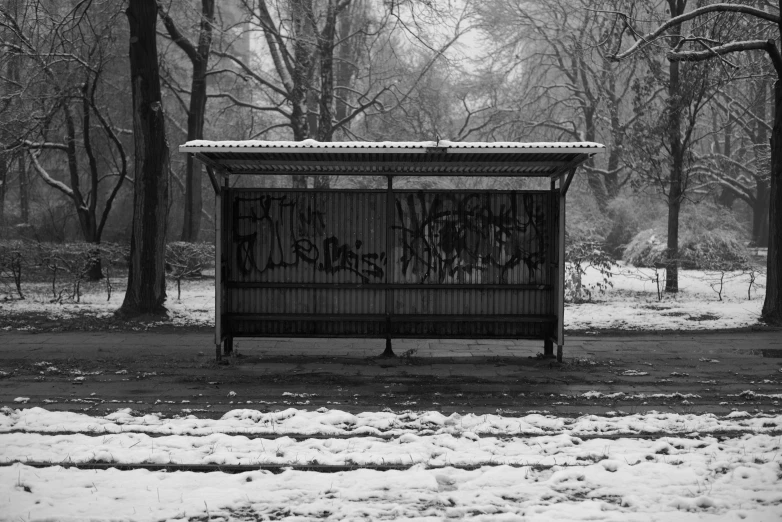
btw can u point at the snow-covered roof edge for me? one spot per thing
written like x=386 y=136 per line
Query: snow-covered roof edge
x=389 y=146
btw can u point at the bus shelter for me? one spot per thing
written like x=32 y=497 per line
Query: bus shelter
x=394 y=262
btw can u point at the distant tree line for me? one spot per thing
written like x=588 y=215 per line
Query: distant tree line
x=93 y=93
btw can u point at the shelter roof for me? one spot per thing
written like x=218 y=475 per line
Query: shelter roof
x=421 y=158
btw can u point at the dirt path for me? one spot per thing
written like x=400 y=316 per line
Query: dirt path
x=173 y=371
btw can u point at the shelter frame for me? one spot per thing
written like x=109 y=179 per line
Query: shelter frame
x=556 y=161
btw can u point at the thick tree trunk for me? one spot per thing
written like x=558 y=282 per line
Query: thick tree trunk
x=772 y=306
x=146 y=291
x=677 y=159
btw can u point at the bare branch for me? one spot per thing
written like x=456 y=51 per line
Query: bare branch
x=267 y=129
x=176 y=36
x=678 y=20
x=749 y=45
x=59 y=185
x=249 y=105
x=257 y=77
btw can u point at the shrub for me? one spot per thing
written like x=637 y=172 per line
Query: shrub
x=187 y=260
x=581 y=255
x=78 y=262
x=698 y=249
x=68 y=263
x=628 y=216
x=13 y=260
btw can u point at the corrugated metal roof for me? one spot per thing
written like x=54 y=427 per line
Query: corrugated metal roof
x=428 y=158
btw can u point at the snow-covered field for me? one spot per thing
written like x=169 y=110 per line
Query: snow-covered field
x=631 y=304
x=640 y=467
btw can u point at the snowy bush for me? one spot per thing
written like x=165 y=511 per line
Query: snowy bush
x=579 y=256
x=628 y=216
x=699 y=249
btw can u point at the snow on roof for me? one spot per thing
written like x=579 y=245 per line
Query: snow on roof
x=406 y=146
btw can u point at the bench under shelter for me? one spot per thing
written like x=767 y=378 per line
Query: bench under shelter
x=390 y=262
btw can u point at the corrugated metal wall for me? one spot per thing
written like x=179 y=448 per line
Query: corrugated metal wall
x=452 y=263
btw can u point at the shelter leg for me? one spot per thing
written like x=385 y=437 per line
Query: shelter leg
x=388 y=352
x=228 y=345
x=548 y=347
x=559 y=353
x=218 y=355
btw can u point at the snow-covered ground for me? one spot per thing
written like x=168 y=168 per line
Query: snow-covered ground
x=631 y=304
x=640 y=467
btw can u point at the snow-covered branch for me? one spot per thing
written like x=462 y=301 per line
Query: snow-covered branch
x=695 y=13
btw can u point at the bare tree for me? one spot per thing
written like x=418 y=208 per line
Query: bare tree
x=328 y=67
x=738 y=162
x=198 y=54
x=695 y=48
x=72 y=52
x=15 y=113
x=146 y=292
x=555 y=52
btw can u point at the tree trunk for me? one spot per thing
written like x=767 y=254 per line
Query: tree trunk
x=594 y=180
x=24 y=190
x=195 y=131
x=303 y=35
x=618 y=134
x=199 y=57
x=146 y=291
x=772 y=306
x=677 y=159
x=760 y=214
x=3 y=186
x=14 y=65
x=325 y=123
x=95 y=271
x=760 y=210
x=326 y=54
x=726 y=197
x=349 y=54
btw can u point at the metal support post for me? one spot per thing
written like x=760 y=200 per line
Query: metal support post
x=389 y=352
x=228 y=338
x=548 y=341
x=561 y=268
x=218 y=274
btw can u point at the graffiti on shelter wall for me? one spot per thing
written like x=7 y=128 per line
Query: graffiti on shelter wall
x=276 y=231
x=471 y=237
